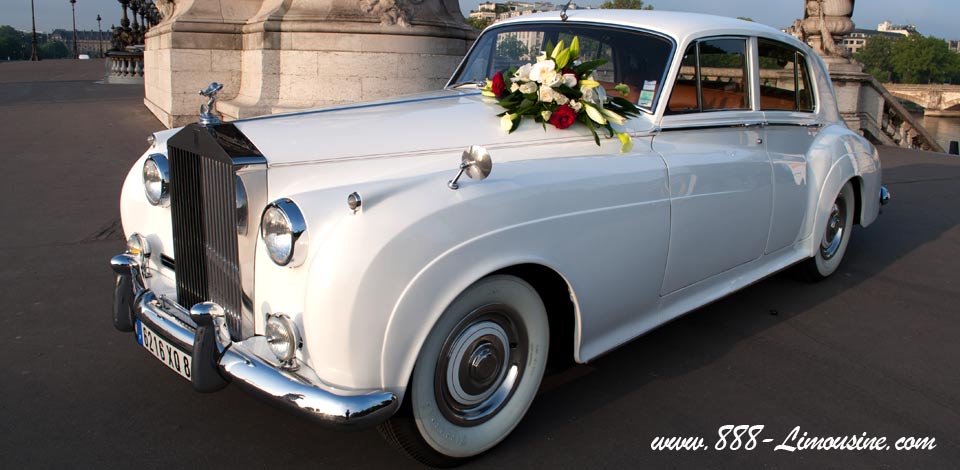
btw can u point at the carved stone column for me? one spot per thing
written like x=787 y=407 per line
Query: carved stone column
x=281 y=55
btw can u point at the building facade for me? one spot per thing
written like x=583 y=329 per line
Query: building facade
x=91 y=43
x=858 y=38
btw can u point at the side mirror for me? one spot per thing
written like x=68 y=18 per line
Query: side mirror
x=476 y=162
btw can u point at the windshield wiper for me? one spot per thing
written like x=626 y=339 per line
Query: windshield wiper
x=474 y=83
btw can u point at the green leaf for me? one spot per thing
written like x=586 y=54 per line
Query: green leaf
x=571 y=93
x=588 y=66
x=589 y=123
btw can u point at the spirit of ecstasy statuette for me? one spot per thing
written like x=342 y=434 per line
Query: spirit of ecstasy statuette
x=208 y=112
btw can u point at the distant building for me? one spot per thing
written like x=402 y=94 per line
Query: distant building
x=901 y=29
x=88 y=42
x=954 y=45
x=858 y=38
x=495 y=12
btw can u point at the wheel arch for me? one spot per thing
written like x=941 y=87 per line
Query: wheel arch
x=404 y=337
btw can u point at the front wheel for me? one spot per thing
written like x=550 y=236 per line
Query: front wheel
x=477 y=374
x=833 y=239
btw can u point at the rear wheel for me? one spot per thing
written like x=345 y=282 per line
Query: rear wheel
x=833 y=239
x=476 y=376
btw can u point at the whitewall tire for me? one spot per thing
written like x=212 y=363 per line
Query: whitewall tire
x=834 y=238
x=477 y=373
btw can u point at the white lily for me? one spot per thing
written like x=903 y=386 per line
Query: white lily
x=594 y=114
x=613 y=117
x=506 y=122
x=523 y=73
x=569 y=80
x=540 y=68
x=528 y=87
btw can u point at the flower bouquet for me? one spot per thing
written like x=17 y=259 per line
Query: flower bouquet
x=560 y=90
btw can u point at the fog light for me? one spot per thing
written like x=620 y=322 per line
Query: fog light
x=138 y=247
x=282 y=336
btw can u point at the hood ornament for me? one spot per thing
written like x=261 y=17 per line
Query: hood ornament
x=208 y=111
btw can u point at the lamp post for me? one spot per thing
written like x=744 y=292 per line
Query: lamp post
x=99 y=36
x=33 y=41
x=73 y=7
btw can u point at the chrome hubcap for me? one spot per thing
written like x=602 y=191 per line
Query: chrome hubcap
x=480 y=365
x=836 y=226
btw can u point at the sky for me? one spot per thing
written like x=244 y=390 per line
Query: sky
x=939 y=18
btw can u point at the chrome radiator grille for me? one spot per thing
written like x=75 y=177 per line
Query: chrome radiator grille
x=204 y=216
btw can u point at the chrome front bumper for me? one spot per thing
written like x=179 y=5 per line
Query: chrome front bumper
x=240 y=362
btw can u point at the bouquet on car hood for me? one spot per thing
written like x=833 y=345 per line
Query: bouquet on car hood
x=561 y=90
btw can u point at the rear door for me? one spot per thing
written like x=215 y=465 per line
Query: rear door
x=787 y=101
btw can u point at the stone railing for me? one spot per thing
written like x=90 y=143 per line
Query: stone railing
x=879 y=115
x=125 y=67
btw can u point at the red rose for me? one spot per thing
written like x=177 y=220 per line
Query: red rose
x=497 y=86
x=563 y=117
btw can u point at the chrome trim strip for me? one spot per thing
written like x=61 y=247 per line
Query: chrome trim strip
x=241 y=363
x=249 y=160
x=696 y=127
x=361 y=106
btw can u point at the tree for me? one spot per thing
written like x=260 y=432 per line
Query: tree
x=511 y=48
x=625 y=5
x=13 y=44
x=53 y=50
x=479 y=24
x=876 y=58
x=910 y=59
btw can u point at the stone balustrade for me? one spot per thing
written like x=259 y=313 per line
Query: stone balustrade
x=125 y=67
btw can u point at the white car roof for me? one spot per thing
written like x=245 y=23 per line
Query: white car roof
x=678 y=25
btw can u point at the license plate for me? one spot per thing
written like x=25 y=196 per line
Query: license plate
x=167 y=353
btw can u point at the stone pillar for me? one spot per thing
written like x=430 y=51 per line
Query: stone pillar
x=196 y=42
x=282 y=55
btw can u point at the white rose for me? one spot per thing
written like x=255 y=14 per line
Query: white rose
x=550 y=78
x=514 y=87
x=546 y=94
x=569 y=80
x=546 y=115
x=540 y=68
x=575 y=105
x=560 y=98
x=527 y=88
x=589 y=95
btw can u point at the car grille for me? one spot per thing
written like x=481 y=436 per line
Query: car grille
x=204 y=217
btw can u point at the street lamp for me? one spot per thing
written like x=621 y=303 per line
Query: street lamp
x=73 y=6
x=33 y=41
x=99 y=36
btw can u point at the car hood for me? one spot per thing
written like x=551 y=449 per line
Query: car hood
x=416 y=124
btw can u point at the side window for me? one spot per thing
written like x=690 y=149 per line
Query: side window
x=713 y=77
x=784 y=79
x=723 y=73
x=683 y=98
x=805 y=89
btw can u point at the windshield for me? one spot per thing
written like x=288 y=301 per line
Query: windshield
x=634 y=58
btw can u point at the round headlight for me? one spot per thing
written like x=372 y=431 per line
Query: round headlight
x=284 y=232
x=282 y=336
x=156 y=180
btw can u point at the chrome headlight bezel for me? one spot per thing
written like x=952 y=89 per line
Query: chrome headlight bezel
x=283 y=337
x=138 y=247
x=280 y=219
x=156 y=180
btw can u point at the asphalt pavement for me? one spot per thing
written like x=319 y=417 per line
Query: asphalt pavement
x=873 y=349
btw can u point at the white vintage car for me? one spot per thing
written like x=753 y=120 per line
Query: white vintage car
x=336 y=263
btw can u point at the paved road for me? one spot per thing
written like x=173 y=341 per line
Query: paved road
x=873 y=349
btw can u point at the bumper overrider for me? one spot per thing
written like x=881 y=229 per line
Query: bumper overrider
x=215 y=364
